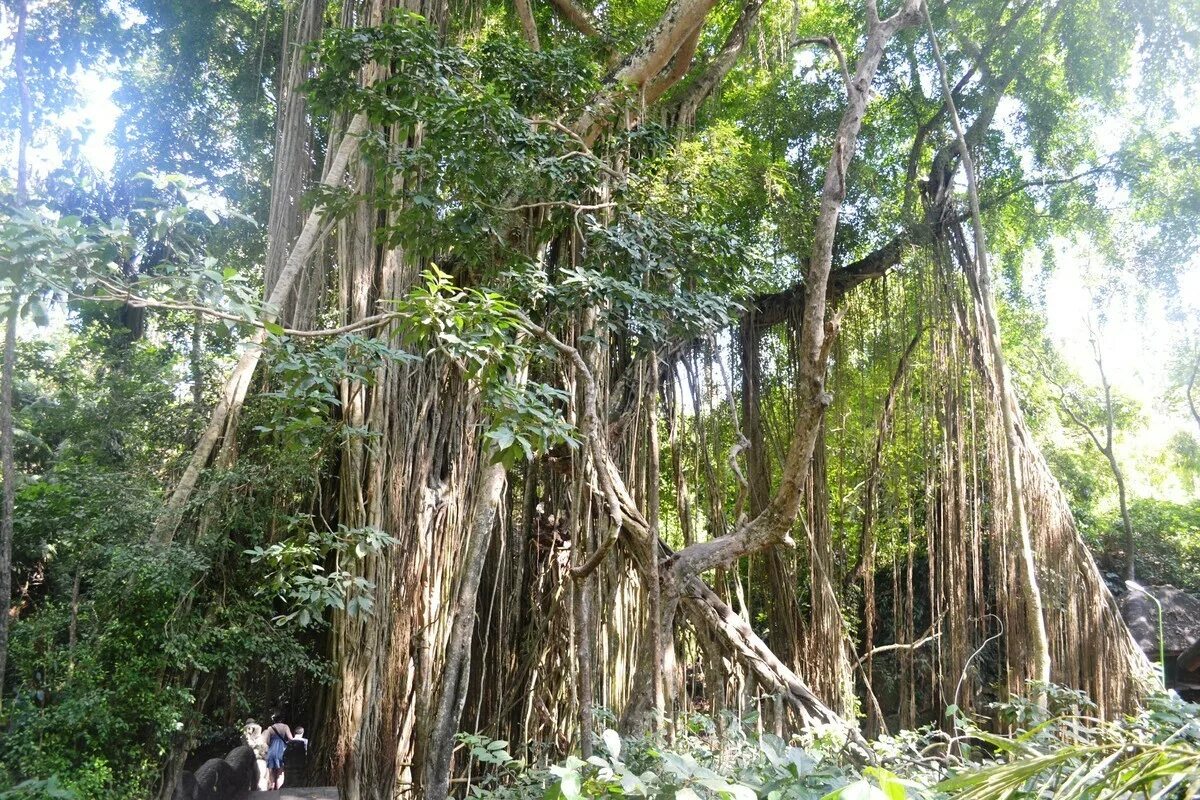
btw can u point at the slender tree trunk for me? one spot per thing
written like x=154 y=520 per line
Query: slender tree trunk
x=1191 y=385
x=8 y=464
x=1040 y=642
x=653 y=587
x=197 y=364
x=1110 y=451
x=7 y=461
x=1126 y=520
x=73 y=624
x=456 y=672
x=238 y=382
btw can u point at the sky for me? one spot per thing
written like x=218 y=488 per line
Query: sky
x=1138 y=326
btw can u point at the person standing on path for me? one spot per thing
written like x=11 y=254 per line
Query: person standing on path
x=277 y=736
x=295 y=758
x=254 y=738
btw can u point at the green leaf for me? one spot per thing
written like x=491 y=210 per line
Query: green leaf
x=858 y=790
x=888 y=782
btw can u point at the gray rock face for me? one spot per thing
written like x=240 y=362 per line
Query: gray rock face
x=1181 y=619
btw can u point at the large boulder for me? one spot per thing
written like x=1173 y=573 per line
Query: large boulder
x=1180 y=618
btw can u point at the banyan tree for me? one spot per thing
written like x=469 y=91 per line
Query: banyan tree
x=689 y=389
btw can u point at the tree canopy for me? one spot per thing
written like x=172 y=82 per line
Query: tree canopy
x=639 y=398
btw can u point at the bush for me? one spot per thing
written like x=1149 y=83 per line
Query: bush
x=1168 y=542
x=1052 y=753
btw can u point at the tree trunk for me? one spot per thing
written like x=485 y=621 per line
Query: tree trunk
x=8 y=465
x=782 y=603
x=456 y=672
x=773 y=525
x=73 y=623
x=1191 y=385
x=238 y=382
x=1040 y=642
x=827 y=642
x=528 y=24
x=293 y=167
x=1126 y=520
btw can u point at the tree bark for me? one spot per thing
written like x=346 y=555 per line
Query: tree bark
x=1040 y=644
x=677 y=24
x=293 y=166
x=774 y=523
x=8 y=465
x=238 y=382
x=707 y=82
x=456 y=672
x=528 y=24
x=578 y=17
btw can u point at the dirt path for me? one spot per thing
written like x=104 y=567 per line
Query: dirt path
x=299 y=793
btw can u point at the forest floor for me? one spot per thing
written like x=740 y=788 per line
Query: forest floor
x=298 y=793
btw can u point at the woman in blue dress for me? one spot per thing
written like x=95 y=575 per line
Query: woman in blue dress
x=277 y=736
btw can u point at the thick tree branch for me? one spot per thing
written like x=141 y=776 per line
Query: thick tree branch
x=706 y=83
x=528 y=24
x=770 y=526
x=679 y=66
x=578 y=17
x=663 y=41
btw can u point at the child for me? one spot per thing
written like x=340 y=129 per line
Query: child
x=295 y=758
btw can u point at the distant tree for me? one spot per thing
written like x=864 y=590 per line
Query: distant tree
x=1099 y=413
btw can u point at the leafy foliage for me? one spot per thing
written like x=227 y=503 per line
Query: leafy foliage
x=1053 y=753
